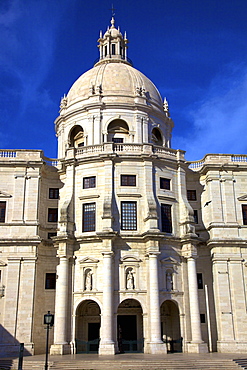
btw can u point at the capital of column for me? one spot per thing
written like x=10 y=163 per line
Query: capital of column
x=189 y=251
x=108 y=254
x=153 y=254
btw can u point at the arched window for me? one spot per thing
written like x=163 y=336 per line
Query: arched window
x=118 y=131
x=77 y=137
x=157 y=137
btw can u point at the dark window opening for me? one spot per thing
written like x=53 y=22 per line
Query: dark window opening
x=53 y=193
x=50 y=235
x=52 y=214
x=203 y=318
x=2 y=211
x=244 y=211
x=89 y=182
x=117 y=140
x=105 y=50
x=196 y=216
x=128 y=216
x=199 y=281
x=113 y=49
x=128 y=180
x=165 y=183
x=89 y=217
x=166 y=218
x=50 y=280
x=191 y=194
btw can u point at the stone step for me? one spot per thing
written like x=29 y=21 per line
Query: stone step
x=166 y=364
x=241 y=362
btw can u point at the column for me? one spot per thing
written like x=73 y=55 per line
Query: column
x=156 y=345
x=194 y=303
x=61 y=346
x=107 y=345
x=196 y=344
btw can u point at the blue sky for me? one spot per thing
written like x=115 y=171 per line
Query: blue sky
x=194 y=51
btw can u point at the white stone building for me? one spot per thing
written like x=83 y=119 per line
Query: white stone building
x=129 y=245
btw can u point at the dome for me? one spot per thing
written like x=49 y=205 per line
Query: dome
x=116 y=82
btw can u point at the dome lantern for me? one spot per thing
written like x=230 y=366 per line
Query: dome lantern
x=112 y=45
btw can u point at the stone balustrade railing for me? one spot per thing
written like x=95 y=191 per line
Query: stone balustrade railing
x=26 y=156
x=123 y=148
x=218 y=159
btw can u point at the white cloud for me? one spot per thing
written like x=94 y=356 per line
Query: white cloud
x=219 y=120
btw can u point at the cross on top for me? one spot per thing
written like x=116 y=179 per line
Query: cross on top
x=112 y=10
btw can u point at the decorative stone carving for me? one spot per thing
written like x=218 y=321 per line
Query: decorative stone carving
x=88 y=279
x=129 y=280
x=63 y=102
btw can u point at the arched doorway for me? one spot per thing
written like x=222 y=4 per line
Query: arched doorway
x=130 y=326
x=170 y=326
x=87 y=327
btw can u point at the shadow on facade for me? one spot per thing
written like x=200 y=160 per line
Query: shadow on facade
x=10 y=346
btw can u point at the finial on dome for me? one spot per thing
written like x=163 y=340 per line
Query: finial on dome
x=100 y=34
x=125 y=35
x=166 y=107
x=112 y=22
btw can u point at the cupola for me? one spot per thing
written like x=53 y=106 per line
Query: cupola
x=112 y=45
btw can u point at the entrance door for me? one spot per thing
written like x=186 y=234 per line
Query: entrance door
x=170 y=326
x=87 y=327
x=130 y=326
x=127 y=333
x=93 y=336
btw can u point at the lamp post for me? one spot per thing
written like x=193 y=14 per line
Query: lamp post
x=48 y=321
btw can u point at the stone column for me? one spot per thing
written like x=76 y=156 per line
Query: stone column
x=61 y=346
x=156 y=345
x=107 y=345
x=196 y=345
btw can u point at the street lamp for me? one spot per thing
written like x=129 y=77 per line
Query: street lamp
x=48 y=321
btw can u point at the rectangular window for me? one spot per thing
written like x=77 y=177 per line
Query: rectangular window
x=2 y=211
x=196 y=216
x=53 y=193
x=203 y=318
x=52 y=214
x=89 y=182
x=166 y=218
x=165 y=183
x=50 y=280
x=128 y=216
x=117 y=140
x=199 y=281
x=89 y=217
x=244 y=211
x=128 y=180
x=50 y=235
x=191 y=194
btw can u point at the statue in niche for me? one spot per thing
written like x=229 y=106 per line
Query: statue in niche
x=130 y=280
x=88 y=280
x=169 y=281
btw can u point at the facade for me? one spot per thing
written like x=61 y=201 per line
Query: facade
x=133 y=248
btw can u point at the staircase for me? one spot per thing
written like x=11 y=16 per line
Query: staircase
x=167 y=363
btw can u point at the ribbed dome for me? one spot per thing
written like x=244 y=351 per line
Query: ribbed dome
x=116 y=81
